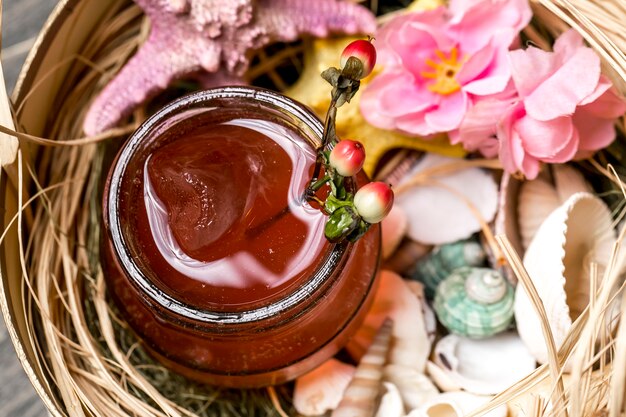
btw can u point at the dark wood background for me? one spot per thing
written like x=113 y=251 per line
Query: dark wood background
x=21 y=22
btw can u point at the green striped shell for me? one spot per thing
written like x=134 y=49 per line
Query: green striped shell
x=437 y=265
x=474 y=302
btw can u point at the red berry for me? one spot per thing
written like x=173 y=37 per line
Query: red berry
x=347 y=157
x=373 y=201
x=364 y=51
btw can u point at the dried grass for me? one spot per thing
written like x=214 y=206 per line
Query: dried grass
x=93 y=363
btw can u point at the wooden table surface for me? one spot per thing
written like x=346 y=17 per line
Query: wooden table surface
x=21 y=22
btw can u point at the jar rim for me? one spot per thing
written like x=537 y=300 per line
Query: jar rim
x=168 y=303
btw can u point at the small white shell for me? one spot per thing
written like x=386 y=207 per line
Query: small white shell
x=321 y=389
x=441 y=377
x=414 y=387
x=483 y=366
x=394 y=227
x=391 y=403
x=417 y=288
x=576 y=233
x=456 y=404
x=428 y=222
x=393 y=299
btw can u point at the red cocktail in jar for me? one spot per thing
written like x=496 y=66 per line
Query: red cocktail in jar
x=212 y=254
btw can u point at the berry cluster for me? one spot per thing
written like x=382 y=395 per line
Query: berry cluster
x=350 y=214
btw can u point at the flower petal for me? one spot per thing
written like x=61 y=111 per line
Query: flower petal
x=530 y=67
x=544 y=139
x=478 y=128
x=511 y=149
x=449 y=114
x=414 y=124
x=595 y=132
x=476 y=21
x=494 y=77
x=559 y=95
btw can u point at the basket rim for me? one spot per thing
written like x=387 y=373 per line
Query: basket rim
x=37 y=53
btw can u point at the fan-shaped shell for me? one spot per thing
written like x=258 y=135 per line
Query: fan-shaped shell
x=439 y=264
x=576 y=233
x=474 y=302
x=541 y=197
x=438 y=212
x=484 y=366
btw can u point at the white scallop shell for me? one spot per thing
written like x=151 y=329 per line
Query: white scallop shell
x=574 y=234
x=394 y=300
x=483 y=366
x=321 y=389
x=537 y=199
x=394 y=227
x=540 y=197
x=438 y=216
x=456 y=404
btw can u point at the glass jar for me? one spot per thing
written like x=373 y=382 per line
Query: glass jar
x=267 y=334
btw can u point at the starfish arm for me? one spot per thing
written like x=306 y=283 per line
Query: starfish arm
x=212 y=16
x=157 y=62
x=285 y=20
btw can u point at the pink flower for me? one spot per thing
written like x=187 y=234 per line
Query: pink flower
x=564 y=110
x=435 y=63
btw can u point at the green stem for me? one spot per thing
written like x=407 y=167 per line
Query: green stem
x=313 y=188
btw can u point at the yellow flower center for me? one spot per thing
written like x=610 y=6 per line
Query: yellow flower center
x=444 y=72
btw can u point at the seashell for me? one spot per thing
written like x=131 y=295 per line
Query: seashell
x=578 y=232
x=393 y=299
x=484 y=366
x=414 y=387
x=441 y=377
x=439 y=264
x=394 y=227
x=391 y=402
x=417 y=288
x=321 y=389
x=537 y=199
x=438 y=212
x=524 y=205
x=402 y=261
x=456 y=404
x=474 y=302
x=569 y=181
x=363 y=391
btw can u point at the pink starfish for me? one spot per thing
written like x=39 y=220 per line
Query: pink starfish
x=216 y=36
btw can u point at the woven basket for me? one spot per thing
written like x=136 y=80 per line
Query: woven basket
x=59 y=63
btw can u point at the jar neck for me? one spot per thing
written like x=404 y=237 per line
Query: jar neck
x=163 y=303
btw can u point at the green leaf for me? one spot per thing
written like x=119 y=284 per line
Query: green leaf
x=341 y=223
x=358 y=231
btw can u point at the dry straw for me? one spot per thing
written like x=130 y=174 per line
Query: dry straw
x=92 y=362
